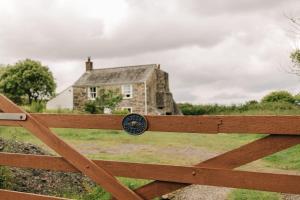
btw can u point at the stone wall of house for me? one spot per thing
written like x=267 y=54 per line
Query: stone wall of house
x=159 y=98
x=151 y=95
x=79 y=97
x=137 y=102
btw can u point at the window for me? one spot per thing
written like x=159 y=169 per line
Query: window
x=129 y=109
x=92 y=93
x=127 y=91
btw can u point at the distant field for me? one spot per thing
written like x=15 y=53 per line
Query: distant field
x=166 y=148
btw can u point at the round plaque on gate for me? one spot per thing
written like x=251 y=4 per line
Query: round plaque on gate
x=135 y=124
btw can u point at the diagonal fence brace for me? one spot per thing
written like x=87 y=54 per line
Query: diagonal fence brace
x=229 y=160
x=79 y=161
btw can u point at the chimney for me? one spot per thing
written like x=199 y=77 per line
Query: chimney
x=88 y=65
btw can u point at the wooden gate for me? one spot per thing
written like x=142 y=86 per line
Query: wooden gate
x=218 y=171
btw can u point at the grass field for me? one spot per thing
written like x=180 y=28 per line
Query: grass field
x=165 y=148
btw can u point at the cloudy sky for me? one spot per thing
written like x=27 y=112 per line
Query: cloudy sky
x=218 y=51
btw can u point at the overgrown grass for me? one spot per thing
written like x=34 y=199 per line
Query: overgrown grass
x=241 y=194
x=288 y=159
x=5 y=178
x=94 y=193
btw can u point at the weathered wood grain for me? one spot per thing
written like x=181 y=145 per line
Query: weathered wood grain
x=12 y=195
x=282 y=125
x=176 y=174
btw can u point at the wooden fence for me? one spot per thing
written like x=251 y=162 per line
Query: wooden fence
x=283 y=132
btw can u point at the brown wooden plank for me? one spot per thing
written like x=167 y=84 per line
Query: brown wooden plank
x=229 y=160
x=36 y=162
x=81 y=121
x=156 y=123
x=8 y=123
x=86 y=166
x=260 y=124
x=199 y=175
x=13 y=195
x=249 y=180
x=192 y=124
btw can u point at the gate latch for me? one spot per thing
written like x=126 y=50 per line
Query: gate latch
x=13 y=116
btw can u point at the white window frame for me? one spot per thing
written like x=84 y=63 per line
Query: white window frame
x=127 y=92
x=92 y=95
x=127 y=108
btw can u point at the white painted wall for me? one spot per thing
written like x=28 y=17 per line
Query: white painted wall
x=63 y=100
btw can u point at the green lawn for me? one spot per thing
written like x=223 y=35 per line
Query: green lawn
x=159 y=147
x=240 y=194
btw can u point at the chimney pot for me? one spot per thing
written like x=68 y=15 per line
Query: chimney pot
x=88 y=65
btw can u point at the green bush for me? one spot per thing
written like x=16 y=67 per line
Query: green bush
x=278 y=102
x=91 y=107
x=278 y=96
x=250 y=107
x=208 y=109
x=297 y=99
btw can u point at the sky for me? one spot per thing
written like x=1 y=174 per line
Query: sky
x=218 y=51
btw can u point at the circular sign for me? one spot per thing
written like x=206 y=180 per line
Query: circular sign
x=135 y=124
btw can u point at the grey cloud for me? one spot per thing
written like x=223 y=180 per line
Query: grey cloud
x=61 y=34
x=214 y=51
x=229 y=96
x=234 y=7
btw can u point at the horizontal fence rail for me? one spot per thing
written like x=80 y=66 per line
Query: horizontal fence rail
x=179 y=174
x=190 y=124
x=12 y=195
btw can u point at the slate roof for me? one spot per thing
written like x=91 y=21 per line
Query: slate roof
x=116 y=75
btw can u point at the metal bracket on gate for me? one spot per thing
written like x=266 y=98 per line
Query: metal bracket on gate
x=13 y=116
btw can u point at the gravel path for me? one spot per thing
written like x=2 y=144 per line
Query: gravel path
x=290 y=197
x=198 y=192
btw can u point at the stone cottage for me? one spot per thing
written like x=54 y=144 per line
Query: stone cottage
x=145 y=89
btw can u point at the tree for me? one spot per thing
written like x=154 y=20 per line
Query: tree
x=107 y=99
x=27 y=81
x=295 y=58
x=295 y=55
x=2 y=69
x=278 y=96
